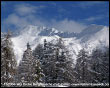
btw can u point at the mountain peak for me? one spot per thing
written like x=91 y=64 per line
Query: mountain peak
x=92 y=36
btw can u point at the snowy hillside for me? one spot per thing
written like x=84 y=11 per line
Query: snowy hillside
x=91 y=37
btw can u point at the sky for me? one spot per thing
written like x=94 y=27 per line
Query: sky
x=70 y=16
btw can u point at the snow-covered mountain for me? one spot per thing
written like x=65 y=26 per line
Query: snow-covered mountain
x=91 y=37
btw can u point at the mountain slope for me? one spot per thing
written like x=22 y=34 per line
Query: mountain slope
x=90 y=38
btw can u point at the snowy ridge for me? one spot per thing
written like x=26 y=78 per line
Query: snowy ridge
x=90 y=38
x=99 y=39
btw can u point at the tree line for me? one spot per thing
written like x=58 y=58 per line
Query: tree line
x=52 y=63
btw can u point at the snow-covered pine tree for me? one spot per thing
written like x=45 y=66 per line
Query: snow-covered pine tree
x=105 y=66
x=8 y=61
x=29 y=70
x=38 y=57
x=63 y=62
x=48 y=61
x=95 y=64
x=38 y=52
x=100 y=66
x=25 y=68
x=81 y=68
x=38 y=75
x=57 y=63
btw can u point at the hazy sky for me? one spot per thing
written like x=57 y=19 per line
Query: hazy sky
x=71 y=16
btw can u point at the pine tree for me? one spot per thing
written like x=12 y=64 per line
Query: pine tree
x=81 y=68
x=48 y=61
x=38 y=52
x=30 y=68
x=95 y=64
x=105 y=67
x=8 y=61
x=57 y=63
x=100 y=66
x=63 y=63
x=37 y=72
x=25 y=68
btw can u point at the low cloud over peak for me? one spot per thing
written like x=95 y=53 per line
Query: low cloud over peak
x=61 y=16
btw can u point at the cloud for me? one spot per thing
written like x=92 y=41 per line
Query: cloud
x=62 y=25
x=69 y=25
x=23 y=15
x=94 y=18
x=25 y=9
x=16 y=21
